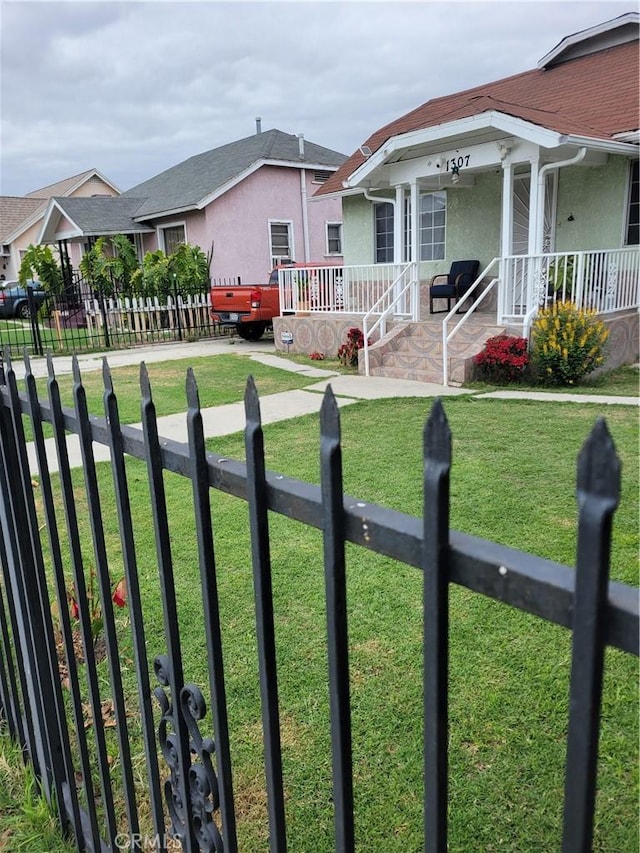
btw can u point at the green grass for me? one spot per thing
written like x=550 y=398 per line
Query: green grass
x=622 y=381
x=221 y=379
x=513 y=480
x=27 y=823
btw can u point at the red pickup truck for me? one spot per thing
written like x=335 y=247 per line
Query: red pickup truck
x=250 y=307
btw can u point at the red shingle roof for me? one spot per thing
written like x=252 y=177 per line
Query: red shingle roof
x=597 y=95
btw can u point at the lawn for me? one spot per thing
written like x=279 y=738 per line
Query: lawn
x=622 y=381
x=26 y=822
x=513 y=480
x=221 y=380
x=508 y=671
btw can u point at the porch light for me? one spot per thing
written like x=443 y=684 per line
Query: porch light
x=455 y=174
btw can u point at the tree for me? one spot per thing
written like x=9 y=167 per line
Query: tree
x=38 y=262
x=153 y=278
x=110 y=259
x=190 y=266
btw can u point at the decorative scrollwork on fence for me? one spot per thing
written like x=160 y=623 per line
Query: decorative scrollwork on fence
x=540 y=287
x=202 y=779
x=169 y=745
x=203 y=782
x=612 y=283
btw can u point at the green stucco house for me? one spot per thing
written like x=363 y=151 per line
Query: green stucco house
x=535 y=176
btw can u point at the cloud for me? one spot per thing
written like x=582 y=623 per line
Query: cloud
x=132 y=88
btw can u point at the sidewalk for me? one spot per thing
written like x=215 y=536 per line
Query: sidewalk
x=227 y=419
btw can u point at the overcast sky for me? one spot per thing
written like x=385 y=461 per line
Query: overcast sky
x=132 y=88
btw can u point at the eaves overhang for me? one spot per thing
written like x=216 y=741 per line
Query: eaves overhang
x=25 y=225
x=436 y=137
x=258 y=164
x=161 y=214
x=51 y=218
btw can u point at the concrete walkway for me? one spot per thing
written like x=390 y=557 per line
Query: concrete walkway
x=227 y=419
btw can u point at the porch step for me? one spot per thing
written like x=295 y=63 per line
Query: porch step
x=414 y=351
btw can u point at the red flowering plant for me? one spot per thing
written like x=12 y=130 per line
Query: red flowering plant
x=348 y=353
x=316 y=356
x=118 y=596
x=504 y=358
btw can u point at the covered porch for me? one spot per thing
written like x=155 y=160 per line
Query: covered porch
x=390 y=303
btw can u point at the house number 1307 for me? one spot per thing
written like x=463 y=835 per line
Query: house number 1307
x=462 y=160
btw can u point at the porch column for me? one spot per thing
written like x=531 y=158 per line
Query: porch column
x=414 y=243
x=398 y=226
x=536 y=228
x=536 y=210
x=506 y=237
x=506 y=231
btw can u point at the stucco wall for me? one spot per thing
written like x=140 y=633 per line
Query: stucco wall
x=94 y=186
x=238 y=222
x=595 y=197
x=473 y=226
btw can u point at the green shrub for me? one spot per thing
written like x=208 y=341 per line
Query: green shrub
x=567 y=343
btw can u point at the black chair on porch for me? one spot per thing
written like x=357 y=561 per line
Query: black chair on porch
x=453 y=285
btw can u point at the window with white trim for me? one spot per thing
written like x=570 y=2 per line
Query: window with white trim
x=432 y=219
x=281 y=242
x=334 y=238
x=172 y=236
x=633 y=212
x=383 y=218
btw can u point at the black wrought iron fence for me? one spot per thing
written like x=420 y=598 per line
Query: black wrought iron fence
x=88 y=732
x=83 y=317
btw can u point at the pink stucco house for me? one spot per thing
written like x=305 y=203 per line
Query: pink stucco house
x=249 y=203
x=21 y=216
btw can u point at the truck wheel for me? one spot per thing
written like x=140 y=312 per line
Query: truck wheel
x=250 y=331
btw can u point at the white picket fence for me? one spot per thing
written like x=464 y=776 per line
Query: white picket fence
x=146 y=316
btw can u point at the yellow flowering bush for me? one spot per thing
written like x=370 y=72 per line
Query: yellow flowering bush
x=567 y=342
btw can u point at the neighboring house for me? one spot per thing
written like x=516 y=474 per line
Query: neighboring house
x=248 y=202
x=542 y=162
x=21 y=216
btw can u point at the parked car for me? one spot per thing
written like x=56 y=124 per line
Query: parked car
x=14 y=301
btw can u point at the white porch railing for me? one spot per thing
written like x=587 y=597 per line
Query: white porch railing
x=401 y=301
x=604 y=281
x=339 y=289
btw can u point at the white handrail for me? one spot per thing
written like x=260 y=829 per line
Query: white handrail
x=446 y=338
x=381 y=321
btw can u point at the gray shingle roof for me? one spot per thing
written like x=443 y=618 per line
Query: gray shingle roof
x=184 y=186
x=96 y=216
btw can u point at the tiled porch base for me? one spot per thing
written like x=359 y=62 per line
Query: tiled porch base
x=314 y=332
x=623 y=346
x=414 y=350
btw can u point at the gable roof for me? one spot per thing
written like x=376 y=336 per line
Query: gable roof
x=68 y=185
x=15 y=210
x=17 y=213
x=594 y=96
x=197 y=181
x=91 y=217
